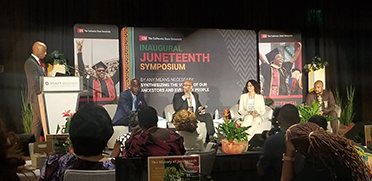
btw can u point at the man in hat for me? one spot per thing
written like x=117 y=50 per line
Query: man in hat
x=276 y=72
x=34 y=69
x=103 y=85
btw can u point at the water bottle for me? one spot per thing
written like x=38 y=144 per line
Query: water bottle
x=216 y=116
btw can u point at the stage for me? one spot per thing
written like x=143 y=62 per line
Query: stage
x=236 y=167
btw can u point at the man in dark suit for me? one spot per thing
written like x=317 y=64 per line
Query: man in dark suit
x=190 y=101
x=34 y=69
x=129 y=101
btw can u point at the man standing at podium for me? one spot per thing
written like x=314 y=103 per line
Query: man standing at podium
x=34 y=69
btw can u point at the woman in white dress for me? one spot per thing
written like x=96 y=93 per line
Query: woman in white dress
x=186 y=124
x=251 y=106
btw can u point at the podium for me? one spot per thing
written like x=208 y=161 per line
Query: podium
x=58 y=94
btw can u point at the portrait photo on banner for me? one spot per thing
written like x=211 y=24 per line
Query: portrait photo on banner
x=281 y=71
x=98 y=61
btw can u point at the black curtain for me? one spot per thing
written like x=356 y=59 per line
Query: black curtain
x=339 y=33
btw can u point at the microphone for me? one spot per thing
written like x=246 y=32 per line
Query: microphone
x=80 y=71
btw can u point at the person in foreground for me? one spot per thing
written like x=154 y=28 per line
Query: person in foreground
x=251 y=106
x=270 y=162
x=152 y=140
x=129 y=101
x=34 y=69
x=327 y=101
x=186 y=123
x=319 y=120
x=327 y=156
x=188 y=100
x=11 y=158
x=90 y=129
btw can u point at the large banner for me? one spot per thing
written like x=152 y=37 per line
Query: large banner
x=281 y=66
x=97 y=61
x=219 y=63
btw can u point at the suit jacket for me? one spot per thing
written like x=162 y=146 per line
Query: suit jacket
x=124 y=108
x=326 y=96
x=180 y=104
x=33 y=72
x=259 y=104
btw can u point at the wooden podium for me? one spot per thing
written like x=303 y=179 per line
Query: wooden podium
x=58 y=94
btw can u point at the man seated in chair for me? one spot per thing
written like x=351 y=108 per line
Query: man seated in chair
x=189 y=100
x=327 y=101
x=129 y=101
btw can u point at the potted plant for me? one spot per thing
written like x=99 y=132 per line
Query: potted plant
x=27 y=117
x=316 y=64
x=233 y=136
x=347 y=109
x=56 y=63
x=306 y=112
x=63 y=144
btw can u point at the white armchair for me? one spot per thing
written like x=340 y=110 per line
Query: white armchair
x=118 y=130
x=88 y=175
x=266 y=122
x=234 y=112
x=111 y=109
x=169 y=111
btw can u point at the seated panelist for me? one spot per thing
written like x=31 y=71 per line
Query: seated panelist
x=251 y=106
x=129 y=101
x=188 y=100
x=327 y=101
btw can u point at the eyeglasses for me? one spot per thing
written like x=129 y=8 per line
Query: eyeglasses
x=100 y=70
x=186 y=85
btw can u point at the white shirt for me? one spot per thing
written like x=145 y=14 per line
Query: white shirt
x=192 y=98
x=37 y=58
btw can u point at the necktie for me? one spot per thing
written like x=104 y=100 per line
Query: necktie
x=134 y=105
x=42 y=65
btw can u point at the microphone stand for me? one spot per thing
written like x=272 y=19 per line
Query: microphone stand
x=86 y=74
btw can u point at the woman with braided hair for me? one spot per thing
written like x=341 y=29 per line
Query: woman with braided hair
x=327 y=156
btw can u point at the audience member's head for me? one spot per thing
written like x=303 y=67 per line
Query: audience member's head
x=319 y=120
x=90 y=130
x=148 y=117
x=288 y=116
x=312 y=141
x=254 y=84
x=185 y=120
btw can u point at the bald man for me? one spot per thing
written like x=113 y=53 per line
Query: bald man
x=34 y=69
x=129 y=101
x=190 y=101
x=325 y=97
